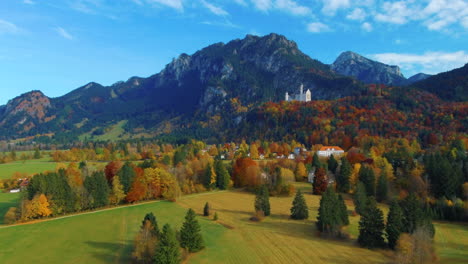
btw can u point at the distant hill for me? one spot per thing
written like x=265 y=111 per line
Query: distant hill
x=416 y=78
x=366 y=70
x=451 y=85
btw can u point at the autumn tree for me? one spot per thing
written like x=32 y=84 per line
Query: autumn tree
x=371 y=226
x=299 y=210
x=111 y=169
x=37 y=207
x=117 y=192
x=145 y=243
x=320 y=181
x=11 y=216
x=301 y=172
x=167 y=250
x=262 y=200
x=254 y=151
x=209 y=177
x=394 y=225
x=417 y=248
x=154 y=223
x=343 y=177
x=190 y=234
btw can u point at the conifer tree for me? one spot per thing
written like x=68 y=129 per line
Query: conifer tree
x=262 y=200
x=126 y=175
x=332 y=164
x=320 y=181
x=394 y=224
x=342 y=178
x=222 y=175
x=167 y=251
x=299 y=209
x=215 y=217
x=343 y=210
x=371 y=226
x=209 y=177
x=367 y=177
x=206 y=209
x=360 y=198
x=331 y=216
x=382 y=188
x=190 y=234
x=316 y=162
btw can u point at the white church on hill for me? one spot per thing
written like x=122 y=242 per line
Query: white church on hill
x=302 y=97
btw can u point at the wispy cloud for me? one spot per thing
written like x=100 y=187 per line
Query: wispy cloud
x=366 y=26
x=263 y=5
x=176 y=4
x=357 y=14
x=28 y=2
x=62 y=32
x=292 y=7
x=429 y=62
x=317 y=27
x=214 y=9
x=331 y=6
x=8 y=27
x=227 y=24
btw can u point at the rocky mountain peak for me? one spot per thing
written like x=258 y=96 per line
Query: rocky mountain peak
x=34 y=103
x=366 y=70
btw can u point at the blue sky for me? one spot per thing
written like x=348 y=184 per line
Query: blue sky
x=56 y=46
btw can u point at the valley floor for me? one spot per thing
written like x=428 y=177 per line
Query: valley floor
x=107 y=236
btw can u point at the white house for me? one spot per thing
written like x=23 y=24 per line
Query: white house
x=14 y=190
x=291 y=156
x=327 y=151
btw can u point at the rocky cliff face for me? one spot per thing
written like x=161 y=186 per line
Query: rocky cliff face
x=366 y=70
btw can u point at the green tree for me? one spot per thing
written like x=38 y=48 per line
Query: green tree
x=209 y=177
x=99 y=190
x=342 y=178
x=37 y=154
x=343 y=210
x=371 y=226
x=414 y=216
x=367 y=177
x=190 y=234
x=360 y=198
x=206 y=209
x=299 y=208
x=262 y=200
x=316 y=161
x=332 y=164
x=167 y=251
x=394 y=224
x=330 y=217
x=126 y=175
x=382 y=188
x=222 y=175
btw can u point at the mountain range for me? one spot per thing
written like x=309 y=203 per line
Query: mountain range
x=240 y=74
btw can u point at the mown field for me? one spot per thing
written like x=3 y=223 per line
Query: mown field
x=7 y=200
x=106 y=236
x=29 y=166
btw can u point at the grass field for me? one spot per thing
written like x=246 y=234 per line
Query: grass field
x=7 y=200
x=28 y=166
x=106 y=236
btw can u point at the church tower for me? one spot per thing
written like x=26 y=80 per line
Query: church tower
x=308 y=96
x=286 y=97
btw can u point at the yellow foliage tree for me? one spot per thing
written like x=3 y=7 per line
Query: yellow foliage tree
x=301 y=171
x=254 y=151
x=37 y=207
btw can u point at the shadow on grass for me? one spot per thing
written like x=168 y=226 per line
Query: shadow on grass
x=112 y=252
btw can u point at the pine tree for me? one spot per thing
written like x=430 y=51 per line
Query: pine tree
x=209 y=177
x=367 y=177
x=316 y=162
x=154 y=223
x=343 y=210
x=382 y=188
x=343 y=176
x=262 y=200
x=222 y=175
x=37 y=154
x=332 y=164
x=167 y=251
x=206 y=209
x=360 y=198
x=215 y=217
x=126 y=175
x=394 y=224
x=330 y=217
x=371 y=226
x=412 y=213
x=299 y=209
x=190 y=234
x=320 y=181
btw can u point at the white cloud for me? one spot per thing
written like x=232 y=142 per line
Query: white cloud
x=241 y=2
x=8 y=27
x=366 y=26
x=317 y=27
x=429 y=62
x=28 y=2
x=176 y=4
x=357 y=14
x=395 y=13
x=62 y=32
x=292 y=7
x=214 y=9
x=262 y=5
x=331 y=6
